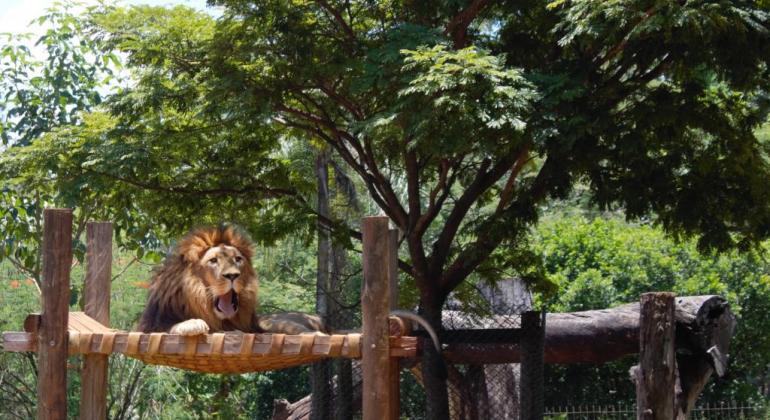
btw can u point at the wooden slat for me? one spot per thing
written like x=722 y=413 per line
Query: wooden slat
x=87 y=322
x=78 y=321
x=19 y=341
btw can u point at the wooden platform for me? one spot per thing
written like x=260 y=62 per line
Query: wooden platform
x=231 y=352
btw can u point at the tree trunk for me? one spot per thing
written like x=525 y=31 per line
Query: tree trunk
x=321 y=371
x=433 y=365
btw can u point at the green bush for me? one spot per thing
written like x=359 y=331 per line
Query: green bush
x=605 y=262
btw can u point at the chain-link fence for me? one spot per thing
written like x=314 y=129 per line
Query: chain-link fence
x=732 y=410
x=477 y=328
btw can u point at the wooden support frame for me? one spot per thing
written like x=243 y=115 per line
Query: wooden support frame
x=379 y=390
x=52 y=335
x=96 y=298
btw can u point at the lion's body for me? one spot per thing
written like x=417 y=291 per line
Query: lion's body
x=208 y=277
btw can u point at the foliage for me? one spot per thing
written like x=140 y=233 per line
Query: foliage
x=549 y=95
x=601 y=263
x=36 y=97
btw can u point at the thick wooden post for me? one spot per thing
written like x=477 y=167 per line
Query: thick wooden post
x=96 y=296
x=377 y=398
x=655 y=376
x=395 y=370
x=52 y=334
x=531 y=386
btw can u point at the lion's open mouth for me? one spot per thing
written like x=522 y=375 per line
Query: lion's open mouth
x=227 y=304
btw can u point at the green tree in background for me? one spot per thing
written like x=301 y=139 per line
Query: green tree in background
x=38 y=94
x=461 y=119
x=605 y=262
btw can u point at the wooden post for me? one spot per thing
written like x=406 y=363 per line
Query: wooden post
x=395 y=369
x=377 y=398
x=96 y=296
x=531 y=382
x=655 y=376
x=55 y=291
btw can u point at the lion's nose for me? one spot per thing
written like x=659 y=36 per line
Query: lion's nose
x=231 y=276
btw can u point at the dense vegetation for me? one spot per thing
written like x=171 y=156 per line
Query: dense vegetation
x=463 y=121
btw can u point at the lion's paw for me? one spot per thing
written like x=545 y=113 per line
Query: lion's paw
x=190 y=327
x=319 y=333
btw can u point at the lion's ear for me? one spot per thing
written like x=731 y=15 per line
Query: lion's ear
x=195 y=244
x=237 y=238
x=192 y=254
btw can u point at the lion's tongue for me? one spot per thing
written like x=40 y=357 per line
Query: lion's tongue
x=226 y=304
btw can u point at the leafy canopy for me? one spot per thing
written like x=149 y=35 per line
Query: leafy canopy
x=461 y=119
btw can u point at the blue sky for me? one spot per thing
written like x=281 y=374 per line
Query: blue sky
x=15 y=15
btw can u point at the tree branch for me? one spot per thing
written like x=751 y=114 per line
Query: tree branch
x=457 y=28
x=340 y=21
x=341 y=100
x=507 y=193
x=473 y=255
x=436 y=201
x=483 y=180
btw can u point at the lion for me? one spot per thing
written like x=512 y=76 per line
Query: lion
x=208 y=284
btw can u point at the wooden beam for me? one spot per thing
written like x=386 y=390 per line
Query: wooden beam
x=655 y=375
x=52 y=336
x=377 y=400
x=598 y=336
x=96 y=297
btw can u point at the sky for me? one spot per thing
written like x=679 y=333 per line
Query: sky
x=15 y=15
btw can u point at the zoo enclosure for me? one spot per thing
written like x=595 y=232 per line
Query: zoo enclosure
x=703 y=327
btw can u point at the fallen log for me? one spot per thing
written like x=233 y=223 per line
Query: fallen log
x=704 y=325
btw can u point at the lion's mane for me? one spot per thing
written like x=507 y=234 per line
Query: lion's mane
x=178 y=292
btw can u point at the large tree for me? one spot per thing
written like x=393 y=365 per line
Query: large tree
x=463 y=119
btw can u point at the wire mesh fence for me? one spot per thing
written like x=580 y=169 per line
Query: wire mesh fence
x=484 y=391
x=732 y=410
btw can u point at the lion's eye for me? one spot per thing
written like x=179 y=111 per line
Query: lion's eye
x=213 y=261
x=238 y=259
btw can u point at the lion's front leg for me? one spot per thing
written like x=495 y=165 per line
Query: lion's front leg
x=190 y=327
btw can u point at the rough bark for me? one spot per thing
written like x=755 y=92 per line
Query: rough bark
x=655 y=375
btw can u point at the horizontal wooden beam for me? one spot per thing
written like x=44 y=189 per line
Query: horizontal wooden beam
x=600 y=336
x=263 y=344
